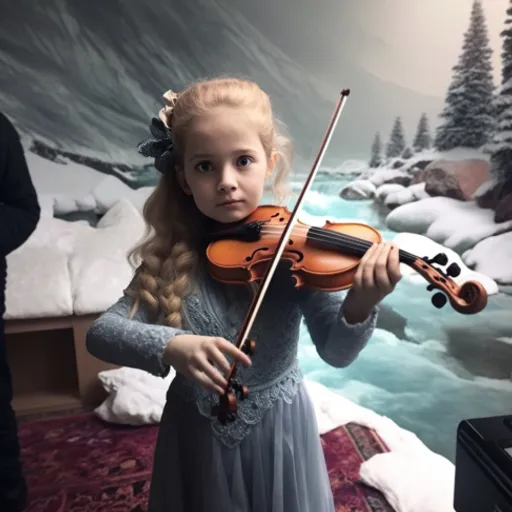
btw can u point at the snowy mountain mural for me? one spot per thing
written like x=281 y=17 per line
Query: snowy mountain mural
x=423 y=152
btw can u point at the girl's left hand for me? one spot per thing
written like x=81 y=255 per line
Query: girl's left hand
x=377 y=275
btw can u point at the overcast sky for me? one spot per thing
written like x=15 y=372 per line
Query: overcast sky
x=430 y=27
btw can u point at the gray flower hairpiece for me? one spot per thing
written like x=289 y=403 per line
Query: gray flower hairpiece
x=159 y=146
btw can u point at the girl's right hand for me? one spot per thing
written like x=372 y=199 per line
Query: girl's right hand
x=201 y=358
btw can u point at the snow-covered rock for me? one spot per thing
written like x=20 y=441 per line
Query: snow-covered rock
x=458 y=225
x=385 y=190
x=493 y=257
x=406 y=195
x=382 y=175
x=358 y=189
x=457 y=179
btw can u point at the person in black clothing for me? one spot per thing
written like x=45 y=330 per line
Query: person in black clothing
x=19 y=215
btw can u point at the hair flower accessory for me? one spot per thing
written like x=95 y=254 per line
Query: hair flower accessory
x=159 y=145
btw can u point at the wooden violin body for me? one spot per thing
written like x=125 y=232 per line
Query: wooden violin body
x=324 y=258
x=240 y=262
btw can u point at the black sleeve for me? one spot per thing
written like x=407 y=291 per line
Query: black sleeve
x=19 y=206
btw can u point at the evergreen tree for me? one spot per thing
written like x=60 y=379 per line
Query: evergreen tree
x=500 y=147
x=422 y=140
x=396 y=144
x=468 y=113
x=376 y=158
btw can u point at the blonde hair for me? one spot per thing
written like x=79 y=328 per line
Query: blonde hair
x=168 y=255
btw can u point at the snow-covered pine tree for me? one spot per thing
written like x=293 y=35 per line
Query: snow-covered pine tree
x=500 y=147
x=376 y=156
x=422 y=140
x=469 y=112
x=396 y=144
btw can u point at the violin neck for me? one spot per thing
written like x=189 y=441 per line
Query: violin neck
x=349 y=244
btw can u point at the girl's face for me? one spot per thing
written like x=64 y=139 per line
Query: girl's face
x=225 y=165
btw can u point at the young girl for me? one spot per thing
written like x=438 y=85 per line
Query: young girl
x=216 y=144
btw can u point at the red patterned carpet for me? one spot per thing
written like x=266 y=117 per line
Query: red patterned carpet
x=78 y=463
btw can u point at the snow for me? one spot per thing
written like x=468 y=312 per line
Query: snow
x=405 y=195
x=110 y=190
x=69 y=187
x=382 y=175
x=460 y=226
x=492 y=256
x=51 y=178
x=405 y=474
x=485 y=187
x=359 y=189
x=384 y=190
x=455 y=154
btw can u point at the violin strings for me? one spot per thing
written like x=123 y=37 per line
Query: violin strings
x=348 y=241
x=320 y=237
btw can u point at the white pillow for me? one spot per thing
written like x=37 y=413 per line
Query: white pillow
x=412 y=482
x=38 y=283
x=98 y=267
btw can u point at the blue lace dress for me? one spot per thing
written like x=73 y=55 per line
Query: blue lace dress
x=270 y=458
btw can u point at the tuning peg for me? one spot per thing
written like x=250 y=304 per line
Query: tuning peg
x=439 y=300
x=440 y=259
x=453 y=270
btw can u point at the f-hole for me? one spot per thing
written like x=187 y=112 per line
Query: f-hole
x=298 y=253
x=251 y=257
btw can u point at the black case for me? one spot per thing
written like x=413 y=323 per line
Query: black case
x=483 y=465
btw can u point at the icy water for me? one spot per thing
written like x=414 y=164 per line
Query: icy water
x=429 y=383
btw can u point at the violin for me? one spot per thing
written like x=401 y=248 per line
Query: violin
x=325 y=258
x=322 y=258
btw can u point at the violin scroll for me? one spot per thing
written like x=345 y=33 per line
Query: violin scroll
x=469 y=298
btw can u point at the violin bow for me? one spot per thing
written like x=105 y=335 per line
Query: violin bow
x=226 y=408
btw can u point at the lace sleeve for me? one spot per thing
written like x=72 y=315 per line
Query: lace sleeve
x=137 y=343
x=337 y=342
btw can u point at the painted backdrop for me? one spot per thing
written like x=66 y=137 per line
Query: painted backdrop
x=422 y=151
